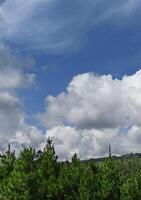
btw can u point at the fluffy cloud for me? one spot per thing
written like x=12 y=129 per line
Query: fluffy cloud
x=93 y=101
x=86 y=143
x=13 y=124
x=93 y=112
x=94 y=142
x=57 y=25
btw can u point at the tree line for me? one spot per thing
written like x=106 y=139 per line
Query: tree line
x=39 y=175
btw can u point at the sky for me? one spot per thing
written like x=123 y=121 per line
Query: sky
x=71 y=70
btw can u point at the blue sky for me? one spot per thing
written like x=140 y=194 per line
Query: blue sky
x=48 y=50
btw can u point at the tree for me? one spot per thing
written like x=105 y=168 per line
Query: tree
x=110 y=180
x=7 y=161
x=47 y=173
x=19 y=182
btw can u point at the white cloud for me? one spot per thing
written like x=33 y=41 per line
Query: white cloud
x=93 y=101
x=11 y=70
x=57 y=25
x=86 y=143
x=93 y=112
x=94 y=142
x=27 y=135
x=13 y=124
x=11 y=79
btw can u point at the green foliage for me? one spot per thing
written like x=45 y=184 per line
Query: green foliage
x=110 y=180
x=89 y=183
x=39 y=176
x=69 y=179
x=17 y=184
x=131 y=189
x=7 y=162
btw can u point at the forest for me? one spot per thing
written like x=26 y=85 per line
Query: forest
x=38 y=175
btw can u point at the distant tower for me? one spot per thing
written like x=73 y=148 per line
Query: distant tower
x=110 y=151
x=9 y=144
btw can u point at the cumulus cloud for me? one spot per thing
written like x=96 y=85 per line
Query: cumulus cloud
x=86 y=143
x=95 y=111
x=93 y=101
x=57 y=25
x=13 y=124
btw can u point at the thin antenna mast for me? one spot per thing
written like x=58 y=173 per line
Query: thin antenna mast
x=110 y=151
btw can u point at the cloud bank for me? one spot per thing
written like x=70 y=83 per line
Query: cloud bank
x=95 y=111
x=13 y=126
